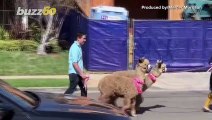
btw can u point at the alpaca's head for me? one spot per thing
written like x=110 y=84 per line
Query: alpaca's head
x=161 y=66
x=143 y=65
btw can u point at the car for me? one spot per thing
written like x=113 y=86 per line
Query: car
x=27 y=105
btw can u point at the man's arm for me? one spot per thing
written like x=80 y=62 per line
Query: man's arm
x=77 y=68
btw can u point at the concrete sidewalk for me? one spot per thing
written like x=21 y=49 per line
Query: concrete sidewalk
x=181 y=81
x=184 y=81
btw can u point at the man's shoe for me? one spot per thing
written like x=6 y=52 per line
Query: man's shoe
x=206 y=109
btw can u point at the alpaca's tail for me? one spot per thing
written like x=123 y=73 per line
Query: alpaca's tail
x=100 y=90
x=100 y=85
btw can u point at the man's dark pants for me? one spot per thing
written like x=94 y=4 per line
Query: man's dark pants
x=75 y=80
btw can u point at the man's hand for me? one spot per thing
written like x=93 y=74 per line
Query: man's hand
x=79 y=71
x=85 y=79
x=84 y=76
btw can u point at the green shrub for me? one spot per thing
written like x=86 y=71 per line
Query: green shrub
x=18 y=45
x=35 y=32
x=28 y=45
x=9 y=45
x=53 y=46
x=4 y=35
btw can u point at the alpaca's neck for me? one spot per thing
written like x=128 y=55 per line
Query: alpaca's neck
x=155 y=71
x=140 y=74
x=148 y=82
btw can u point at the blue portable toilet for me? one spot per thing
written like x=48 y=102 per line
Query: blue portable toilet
x=109 y=13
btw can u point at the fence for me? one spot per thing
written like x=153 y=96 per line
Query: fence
x=183 y=45
x=107 y=45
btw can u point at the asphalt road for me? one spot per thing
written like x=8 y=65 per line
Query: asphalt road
x=171 y=105
x=165 y=105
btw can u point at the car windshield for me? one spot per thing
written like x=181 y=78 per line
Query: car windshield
x=25 y=96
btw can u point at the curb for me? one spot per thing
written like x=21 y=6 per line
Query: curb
x=184 y=81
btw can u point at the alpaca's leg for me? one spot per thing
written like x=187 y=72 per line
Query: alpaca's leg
x=139 y=100
x=113 y=100
x=105 y=98
x=100 y=97
x=127 y=104
x=133 y=110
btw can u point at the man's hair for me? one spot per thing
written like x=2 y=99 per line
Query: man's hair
x=79 y=35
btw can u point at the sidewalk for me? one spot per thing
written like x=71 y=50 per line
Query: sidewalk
x=184 y=81
x=181 y=81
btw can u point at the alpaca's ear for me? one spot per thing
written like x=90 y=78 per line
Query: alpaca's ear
x=161 y=61
x=141 y=60
x=159 y=64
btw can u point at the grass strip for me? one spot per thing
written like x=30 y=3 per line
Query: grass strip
x=26 y=63
x=38 y=82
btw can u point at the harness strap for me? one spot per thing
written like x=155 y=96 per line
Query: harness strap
x=138 y=84
x=152 y=77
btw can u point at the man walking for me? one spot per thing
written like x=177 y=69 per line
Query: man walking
x=76 y=74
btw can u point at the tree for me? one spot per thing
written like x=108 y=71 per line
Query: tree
x=50 y=25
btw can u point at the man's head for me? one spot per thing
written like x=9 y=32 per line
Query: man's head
x=81 y=38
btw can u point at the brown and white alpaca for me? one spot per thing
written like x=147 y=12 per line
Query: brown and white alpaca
x=149 y=79
x=114 y=86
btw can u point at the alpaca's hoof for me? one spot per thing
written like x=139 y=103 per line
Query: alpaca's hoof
x=133 y=114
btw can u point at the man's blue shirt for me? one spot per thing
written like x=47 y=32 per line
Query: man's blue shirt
x=75 y=56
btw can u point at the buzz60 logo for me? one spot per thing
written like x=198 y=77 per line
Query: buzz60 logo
x=47 y=10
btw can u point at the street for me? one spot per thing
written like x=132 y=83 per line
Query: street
x=160 y=104
x=170 y=105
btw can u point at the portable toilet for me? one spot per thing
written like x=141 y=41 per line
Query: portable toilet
x=109 y=13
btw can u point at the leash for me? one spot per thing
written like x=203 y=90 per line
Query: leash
x=210 y=69
x=86 y=82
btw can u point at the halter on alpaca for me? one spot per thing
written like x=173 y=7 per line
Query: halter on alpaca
x=138 y=84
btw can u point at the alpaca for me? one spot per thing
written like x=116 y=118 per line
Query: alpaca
x=113 y=86
x=149 y=79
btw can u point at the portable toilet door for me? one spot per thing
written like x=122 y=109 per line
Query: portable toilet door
x=109 y=13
